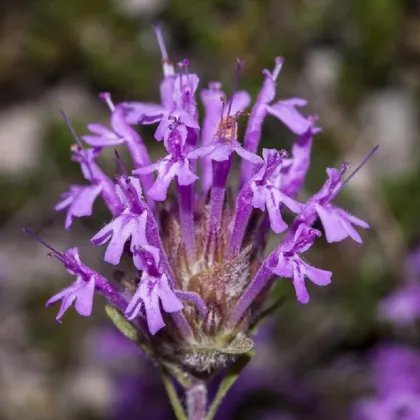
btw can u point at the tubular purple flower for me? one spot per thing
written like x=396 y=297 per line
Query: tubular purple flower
x=287 y=113
x=80 y=293
x=265 y=186
x=262 y=191
x=337 y=223
x=131 y=223
x=79 y=201
x=284 y=110
x=213 y=101
x=175 y=164
x=153 y=288
x=294 y=169
x=290 y=264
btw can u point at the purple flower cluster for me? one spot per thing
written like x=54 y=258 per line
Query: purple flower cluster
x=196 y=240
x=402 y=307
x=396 y=375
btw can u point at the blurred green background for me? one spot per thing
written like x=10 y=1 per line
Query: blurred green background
x=358 y=64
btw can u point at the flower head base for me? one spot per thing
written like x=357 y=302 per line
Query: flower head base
x=199 y=279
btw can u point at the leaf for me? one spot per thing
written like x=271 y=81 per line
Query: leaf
x=128 y=329
x=173 y=396
x=228 y=381
x=121 y=323
x=239 y=345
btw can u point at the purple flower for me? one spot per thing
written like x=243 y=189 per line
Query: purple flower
x=204 y=243
x=132 y=224
x=290 y=264
x=265 y=186
x=337 y=223
x=79 y=201
x=81 y=291
x=401 y=307
x=287 y=113
x=176 y=164
x=224 y=144
x=284 y=110
x=295 y=168
x=152 y=291
x=396 y=378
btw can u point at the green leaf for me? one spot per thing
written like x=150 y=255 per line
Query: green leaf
x=121 y=323
x=173 y=396
x=228 y=381
x=128 y=329
x=239 y=345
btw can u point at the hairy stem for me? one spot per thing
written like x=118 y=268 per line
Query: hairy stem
x=197 y=401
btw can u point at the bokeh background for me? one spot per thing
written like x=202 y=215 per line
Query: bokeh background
x=358 y=64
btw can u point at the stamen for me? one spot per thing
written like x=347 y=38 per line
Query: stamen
x=364 y=161
x=180 y=67
x=279 y=61
x=223 y=100
x=71 y=128
x=186 y=65
x=120 y=163
x=239 y=65
x=168 y=68
x=106 y=97
x=56 y=253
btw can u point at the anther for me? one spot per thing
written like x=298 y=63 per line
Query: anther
x=239 y=65
x=106 y=97
x=120 y=163
x=168 y=68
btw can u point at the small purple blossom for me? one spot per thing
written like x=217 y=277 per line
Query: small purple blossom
x=79 y=201
x=290 y=264
x=80 y=293
x=131 y=223
x=224 y=144
x=337 y=223
x=265 y=187
x=153 y=288
x=176 y=164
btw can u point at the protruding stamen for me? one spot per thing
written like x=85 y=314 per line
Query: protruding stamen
x=56 y=253
x=186 y=65
x=168 y=68
x=106 y=97
x=239 y=66
x=279 y=61
x=120 y=163
x=364 y=161
x=223 y=100
x=71 y=128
